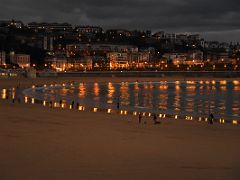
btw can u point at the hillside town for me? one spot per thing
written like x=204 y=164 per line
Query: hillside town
x=63 y=47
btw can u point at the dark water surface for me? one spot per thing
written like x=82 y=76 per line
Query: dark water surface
x=195 y=98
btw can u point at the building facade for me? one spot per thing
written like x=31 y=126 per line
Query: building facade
x=50 y=26
x=60 y=64
x=118 y=60
x=22 y=60
x=71 y=48
x=89 y=29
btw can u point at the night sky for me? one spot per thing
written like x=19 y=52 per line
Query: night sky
x=215 y=19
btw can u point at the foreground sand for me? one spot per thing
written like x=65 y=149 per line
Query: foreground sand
x=39 y=143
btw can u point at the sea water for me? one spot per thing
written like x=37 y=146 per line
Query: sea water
x=195 y=98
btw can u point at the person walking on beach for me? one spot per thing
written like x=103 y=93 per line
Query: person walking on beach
x=155 y=119
x=19 y=100
x=210 y=119
x=60 y=103
x=118 y=103
x=7 y=94
x=50 y=104
x=18 y=94
x=140 y=118
x=72 y=104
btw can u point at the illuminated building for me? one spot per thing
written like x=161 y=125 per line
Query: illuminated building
x=190 y=58
x=57 y=63
x=118 y=32
x=159 y=35
x=48 y=43
x=22 y=60
x=50 y=26
x=76 y=64
x=69 y=64
x=119 y=60
x=139 y=59
x=77 y=47
x=11 y=23
x=89 y=29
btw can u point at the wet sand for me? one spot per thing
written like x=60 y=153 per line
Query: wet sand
x=44 y=143
x=25 y=82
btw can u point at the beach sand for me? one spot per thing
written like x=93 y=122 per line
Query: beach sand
x=25 y=82
x=39 y=143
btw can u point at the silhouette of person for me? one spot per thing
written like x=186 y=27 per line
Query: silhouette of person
x=140 y=118
x=18 y=94
x=19 y=100
x=50 y=104
x=211 y=118
x=60 y=103
x=72 y=104
x=7 y=94
x=155 y=119
x=118 y=102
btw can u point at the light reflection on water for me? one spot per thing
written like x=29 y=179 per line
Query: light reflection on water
x=4 y=94
x=184 y=98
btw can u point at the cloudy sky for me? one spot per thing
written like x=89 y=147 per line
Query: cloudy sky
x=215 y=19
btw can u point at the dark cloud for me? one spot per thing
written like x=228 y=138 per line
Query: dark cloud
x=213 y=18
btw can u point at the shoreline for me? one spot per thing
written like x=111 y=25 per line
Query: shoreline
x=149 y=74
x=162 y=115
x=55 y=144
x=27 y=82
